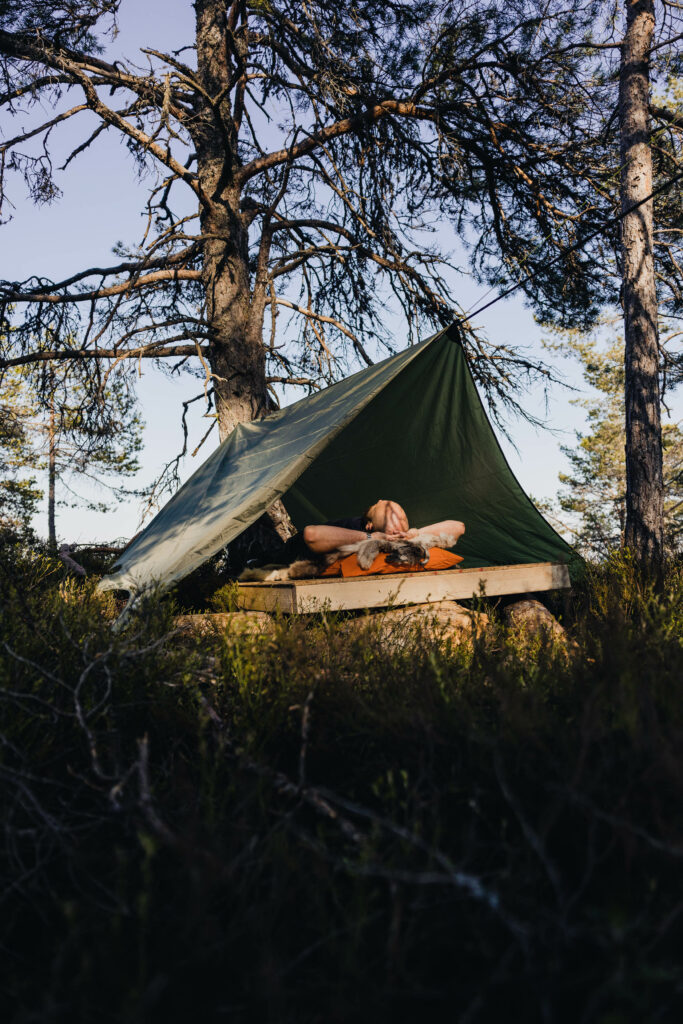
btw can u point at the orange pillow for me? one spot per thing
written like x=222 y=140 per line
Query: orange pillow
x=438 y=559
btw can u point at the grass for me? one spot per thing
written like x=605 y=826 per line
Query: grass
x=316 y=824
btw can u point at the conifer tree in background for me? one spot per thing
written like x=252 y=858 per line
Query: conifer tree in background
x=591 y=505
x=19 y=493
x=48 y=425
x=79 y=446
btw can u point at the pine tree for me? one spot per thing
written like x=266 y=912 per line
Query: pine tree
x=19 y=493
x=591 y=504
x=81 y=446
x=318 y=145
x=644 y=526
x=49 y=426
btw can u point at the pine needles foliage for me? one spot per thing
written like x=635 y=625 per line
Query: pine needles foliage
x=318 y=823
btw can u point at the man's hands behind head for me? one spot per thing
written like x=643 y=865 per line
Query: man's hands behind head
x=396 y=522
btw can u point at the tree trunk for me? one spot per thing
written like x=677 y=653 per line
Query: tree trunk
x=644 y=487
x=236 y=352
x=237 y=359
x=51 y=474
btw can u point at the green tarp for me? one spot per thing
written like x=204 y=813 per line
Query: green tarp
x=411 y=428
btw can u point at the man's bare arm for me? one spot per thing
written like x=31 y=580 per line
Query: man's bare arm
x=453 y=527
x=322 y=539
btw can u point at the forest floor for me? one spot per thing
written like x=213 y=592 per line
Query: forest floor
x=312 y=824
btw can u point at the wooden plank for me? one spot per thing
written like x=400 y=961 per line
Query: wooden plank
x=402 y=588
x=266 y=597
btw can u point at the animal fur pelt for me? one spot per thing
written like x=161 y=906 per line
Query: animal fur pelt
x=407 y=553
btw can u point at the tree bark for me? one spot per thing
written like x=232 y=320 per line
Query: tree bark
x=51 y=474
x=644 y=485
x=236 y=352
x=237 y=359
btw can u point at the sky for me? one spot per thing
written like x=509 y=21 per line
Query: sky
x=100 y=205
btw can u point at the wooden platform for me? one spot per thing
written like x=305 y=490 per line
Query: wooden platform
x=402 y=588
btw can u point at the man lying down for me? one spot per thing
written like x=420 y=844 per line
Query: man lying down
x=382 y=529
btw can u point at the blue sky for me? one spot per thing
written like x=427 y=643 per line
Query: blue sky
x=101 y=205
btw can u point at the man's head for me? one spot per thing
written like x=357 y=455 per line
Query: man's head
x=386 y=517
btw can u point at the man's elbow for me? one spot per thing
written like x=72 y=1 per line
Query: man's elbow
x=311 y=536
x=457 y=528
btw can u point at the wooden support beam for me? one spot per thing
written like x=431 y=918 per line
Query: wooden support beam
x=402 y=588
